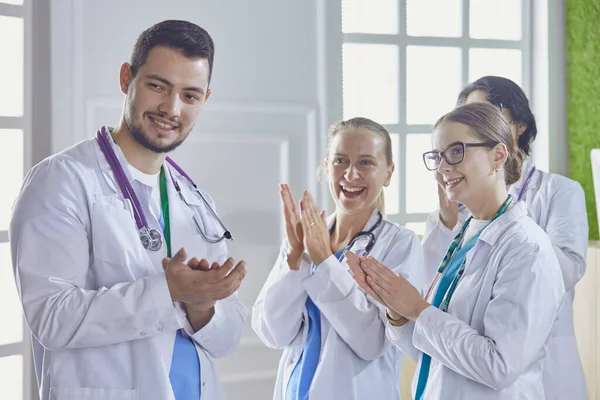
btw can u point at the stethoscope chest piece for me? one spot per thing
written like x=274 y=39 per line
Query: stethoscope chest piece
x=151 y=239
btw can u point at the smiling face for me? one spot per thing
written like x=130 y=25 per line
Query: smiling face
x=164 y=98
x=474 y=174
x=357 y=169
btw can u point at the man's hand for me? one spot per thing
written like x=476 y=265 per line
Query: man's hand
x=197 y=284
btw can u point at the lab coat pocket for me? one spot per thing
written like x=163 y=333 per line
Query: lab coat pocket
x=114 y=233
x=72 y=393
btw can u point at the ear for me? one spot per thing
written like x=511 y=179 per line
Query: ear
x=521 y=128
x=125 y=77
x=208 y=93
x=500 y=154
x=388 y=179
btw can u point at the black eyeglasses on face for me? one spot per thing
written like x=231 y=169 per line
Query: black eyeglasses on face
x=453 y=154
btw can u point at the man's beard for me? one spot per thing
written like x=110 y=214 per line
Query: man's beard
x=141 y=137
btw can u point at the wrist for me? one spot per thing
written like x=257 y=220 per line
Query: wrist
x=419 y=308
x=394 y=318
x=293 y=258
x=320 y=257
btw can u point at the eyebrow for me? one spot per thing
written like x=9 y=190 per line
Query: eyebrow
x=361 y=155
x=169 y=84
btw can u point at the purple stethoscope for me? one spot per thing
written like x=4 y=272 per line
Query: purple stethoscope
x=151 y=238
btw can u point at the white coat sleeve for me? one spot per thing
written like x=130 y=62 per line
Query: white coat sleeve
x=355 y=316
x=50 y=246
x=277 y=315
x=401 y=337
x=567 y=228
x=223 y=333
x=525 y=299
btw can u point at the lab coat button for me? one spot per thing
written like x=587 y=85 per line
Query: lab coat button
x=142 y=333
x=203 y=383
x=160 y=329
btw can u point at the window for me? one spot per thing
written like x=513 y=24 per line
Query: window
x=15 y=355
x=404 y=63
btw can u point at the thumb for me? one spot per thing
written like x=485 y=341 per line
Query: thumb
x=180 y=256
x=165 y=262
x=323 y=217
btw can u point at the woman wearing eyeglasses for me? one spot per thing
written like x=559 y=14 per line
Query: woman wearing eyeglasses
x=481 y=329
x=331 y=331
x=556 y=204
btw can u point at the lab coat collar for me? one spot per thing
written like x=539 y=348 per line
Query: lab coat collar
x=494 y=231
x=109 y=175
x=534 y=183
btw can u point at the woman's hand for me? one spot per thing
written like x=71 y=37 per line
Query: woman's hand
x=395 y=291
x=354 y=262
x=316 y=234
x=293 y=227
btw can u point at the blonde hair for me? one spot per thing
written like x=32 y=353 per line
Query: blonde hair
x=361 y=123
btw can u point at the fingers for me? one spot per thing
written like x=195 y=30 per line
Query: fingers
x=376 y=287
x=224 y=269
x=179 y=257
x=232 y=282
x=353 y=262
x=203 y=265
x=377 y=268
x=323 y=218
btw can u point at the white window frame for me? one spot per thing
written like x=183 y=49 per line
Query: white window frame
x=331 y=74
x=22 y=348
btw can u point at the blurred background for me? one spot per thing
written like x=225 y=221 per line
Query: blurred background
x=284 y=71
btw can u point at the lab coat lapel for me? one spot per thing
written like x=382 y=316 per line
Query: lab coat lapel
x=183 y=227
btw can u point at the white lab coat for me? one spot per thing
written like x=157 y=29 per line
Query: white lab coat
x=491 y=342
x=357 y=362
x=557 y=205
x=99 y=308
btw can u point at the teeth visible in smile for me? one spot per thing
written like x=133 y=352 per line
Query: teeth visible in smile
x=352 y=189
x=454 y=181
x=162 y=126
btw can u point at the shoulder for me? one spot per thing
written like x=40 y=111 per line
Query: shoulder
x=557 y=185
x=395 y=231
x=65 y=168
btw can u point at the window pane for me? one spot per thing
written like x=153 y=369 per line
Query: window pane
x=371 y=82
x=499 y=62
x=11 y=377
x=11 y=67
x=392 y=192
x=416 y=227
x=421 y=188
x=364 y=16
x=15 y=2
x=495 y=19
x=433 y=81
x=446 y=21
x=11 y=314
x=11 y=165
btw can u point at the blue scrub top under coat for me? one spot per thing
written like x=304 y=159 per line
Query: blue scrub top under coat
x=304 y=371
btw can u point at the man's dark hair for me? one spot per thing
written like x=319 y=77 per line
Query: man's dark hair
x=184 y=36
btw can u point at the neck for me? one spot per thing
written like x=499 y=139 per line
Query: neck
x=348 y=225
x=138 y=156
x=486 y=206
